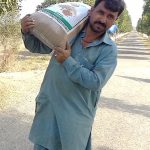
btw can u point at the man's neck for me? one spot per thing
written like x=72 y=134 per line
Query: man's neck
x=91 y=35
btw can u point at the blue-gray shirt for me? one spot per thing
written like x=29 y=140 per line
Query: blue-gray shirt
x=66 y=103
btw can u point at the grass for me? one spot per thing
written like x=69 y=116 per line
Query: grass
x=19 y=62
x=3 y=95
x=23 y=60
x=30 y=63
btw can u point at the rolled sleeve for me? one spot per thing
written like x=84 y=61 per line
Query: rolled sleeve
x=93 y=79
x=34 y=45
x=79 y=74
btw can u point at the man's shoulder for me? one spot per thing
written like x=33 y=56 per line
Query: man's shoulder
x=111 y=47
x=109 y=41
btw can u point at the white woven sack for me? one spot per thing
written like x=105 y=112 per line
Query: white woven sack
x=59 y=23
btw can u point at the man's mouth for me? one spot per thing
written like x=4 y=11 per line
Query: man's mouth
x=100 y=24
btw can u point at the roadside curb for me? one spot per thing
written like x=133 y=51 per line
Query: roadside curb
x=119 y=36
x=144 y=35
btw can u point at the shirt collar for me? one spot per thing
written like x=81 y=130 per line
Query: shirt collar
x=104 y=39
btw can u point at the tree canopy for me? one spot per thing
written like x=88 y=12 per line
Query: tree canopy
x=144 y=22
x=9 y=5
x=124 y=22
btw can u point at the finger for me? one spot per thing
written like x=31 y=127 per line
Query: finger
x=55 y=54
x=30 y=26
x=27 y=16
x=27 y=27
x=29 y=23
x=30 y=19
x=58 y=49
x=68 y=47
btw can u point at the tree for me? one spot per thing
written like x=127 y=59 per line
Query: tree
x=46 y=3
x=124 y=22
x=9 y=31
x=9 y=5
x=139 y=25
x=144 y=22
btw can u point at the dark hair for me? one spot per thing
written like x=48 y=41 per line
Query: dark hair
x=113 y=5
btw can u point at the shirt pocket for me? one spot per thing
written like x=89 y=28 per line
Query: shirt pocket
x=97 y=99
x=37 y=107
x=41 y=102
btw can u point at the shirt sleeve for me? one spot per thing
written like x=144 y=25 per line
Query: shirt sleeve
x=34 y=45
x=96 y=78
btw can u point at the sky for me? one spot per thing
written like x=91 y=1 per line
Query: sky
x=134 y=7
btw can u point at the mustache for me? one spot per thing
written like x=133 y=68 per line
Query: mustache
x=100 y=23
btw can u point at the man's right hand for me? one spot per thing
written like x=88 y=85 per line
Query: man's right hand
x=26 y=23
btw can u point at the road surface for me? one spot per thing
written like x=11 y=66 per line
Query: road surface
x=123 y=116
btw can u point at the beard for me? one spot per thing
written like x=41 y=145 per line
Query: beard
x=98 y=26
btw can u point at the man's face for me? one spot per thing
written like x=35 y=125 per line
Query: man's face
x=100 y=18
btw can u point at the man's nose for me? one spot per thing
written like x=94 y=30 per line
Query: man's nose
x=104 y=19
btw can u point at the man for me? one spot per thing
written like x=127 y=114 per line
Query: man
x=67 y=101
x=112 y=31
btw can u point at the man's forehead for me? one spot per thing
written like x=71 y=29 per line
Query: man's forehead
x=101 y=6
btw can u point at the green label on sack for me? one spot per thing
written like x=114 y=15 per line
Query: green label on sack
x=59 y=18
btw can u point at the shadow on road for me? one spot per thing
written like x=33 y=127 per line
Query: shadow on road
x=132 y=52
x=121 y=105
x=134 y=47
x=133 y=57
x=14 y=130
x=136 y=79
x=132 y=43
x=103 y=148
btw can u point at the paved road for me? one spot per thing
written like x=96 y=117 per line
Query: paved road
x=123 y=115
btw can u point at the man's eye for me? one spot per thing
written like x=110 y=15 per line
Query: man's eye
x=110 y=17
